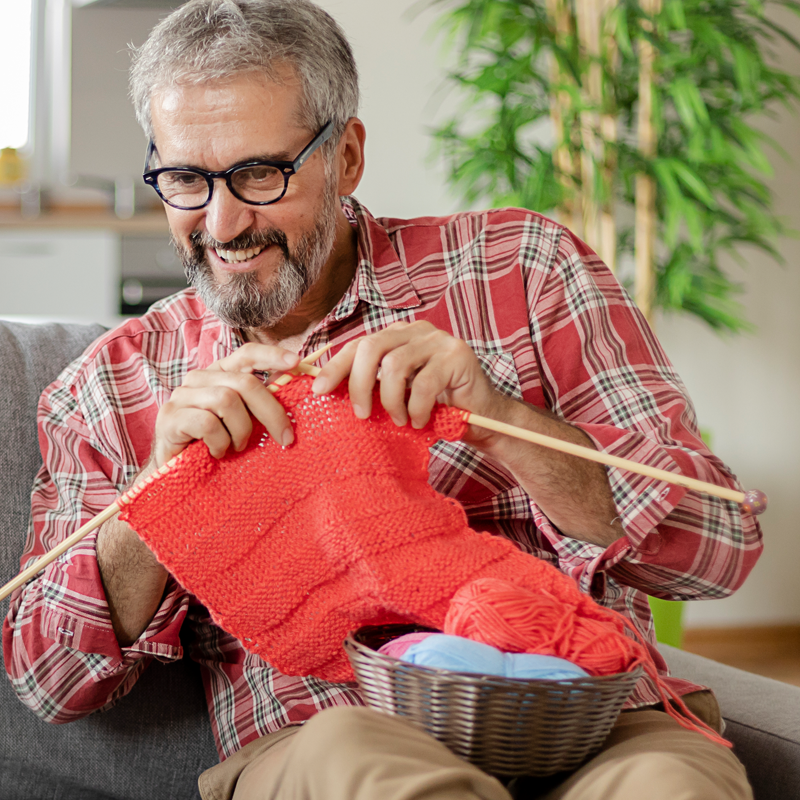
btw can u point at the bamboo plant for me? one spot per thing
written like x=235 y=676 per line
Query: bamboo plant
x=635 y=122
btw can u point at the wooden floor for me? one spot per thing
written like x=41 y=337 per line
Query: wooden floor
x=770 y=651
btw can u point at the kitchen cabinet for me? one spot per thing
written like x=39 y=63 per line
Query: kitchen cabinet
x=81 y=263
x=60 y=274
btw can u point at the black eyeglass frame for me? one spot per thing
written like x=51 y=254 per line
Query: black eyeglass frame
x=287 y=169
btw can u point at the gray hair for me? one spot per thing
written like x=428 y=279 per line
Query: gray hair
x=216 y=40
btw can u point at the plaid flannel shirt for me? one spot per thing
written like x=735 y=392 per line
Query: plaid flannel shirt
x=550 y=326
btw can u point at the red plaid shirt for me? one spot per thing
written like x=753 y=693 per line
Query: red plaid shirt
x=550 y=326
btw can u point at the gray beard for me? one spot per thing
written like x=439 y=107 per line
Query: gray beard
x=243 y=301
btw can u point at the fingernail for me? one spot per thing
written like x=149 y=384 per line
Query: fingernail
x=287 y=437
x=290 y=359
x=319 y=386
x=360 y=412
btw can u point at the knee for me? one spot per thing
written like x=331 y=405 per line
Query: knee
x=343 y=733
x=333 y=721
x=339 y=728
x=669 y=776
x=367 y=754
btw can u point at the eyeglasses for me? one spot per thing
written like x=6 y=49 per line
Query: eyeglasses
x=258 y=183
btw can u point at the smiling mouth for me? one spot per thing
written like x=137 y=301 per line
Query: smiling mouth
x=238 y=256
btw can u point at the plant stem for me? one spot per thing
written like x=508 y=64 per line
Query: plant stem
x=565 y=157
x=608 y=131
x=645 y=214
x=598 y=131
x=587 y=13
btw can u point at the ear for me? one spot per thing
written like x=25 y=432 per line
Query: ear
x=350 y=156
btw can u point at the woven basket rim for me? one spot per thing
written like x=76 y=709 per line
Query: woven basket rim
x=500 y=681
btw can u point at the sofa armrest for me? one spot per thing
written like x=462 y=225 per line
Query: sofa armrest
x=762 y=718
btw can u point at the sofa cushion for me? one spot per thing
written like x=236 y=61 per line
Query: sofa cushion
x=155 y=742
x=31 y=357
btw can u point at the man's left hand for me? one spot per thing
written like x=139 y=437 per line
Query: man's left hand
x=418 y=365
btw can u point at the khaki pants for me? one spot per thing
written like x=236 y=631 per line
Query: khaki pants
x=351 y=753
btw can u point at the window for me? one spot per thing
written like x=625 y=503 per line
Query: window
x=15 y=69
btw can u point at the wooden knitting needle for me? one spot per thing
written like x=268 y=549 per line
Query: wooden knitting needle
x=105 y=515
x=753 y=502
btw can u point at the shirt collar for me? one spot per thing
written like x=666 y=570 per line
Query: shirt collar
x=381 y=277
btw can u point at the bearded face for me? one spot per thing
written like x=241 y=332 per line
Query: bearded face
x=245 y=301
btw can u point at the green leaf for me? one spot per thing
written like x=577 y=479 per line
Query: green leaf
x=692 y=181
x=617 y=22
x=683 y=104
x=750 y=141
x=746 y=69
x=673 y=11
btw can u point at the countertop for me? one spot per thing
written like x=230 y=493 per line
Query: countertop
x=154 y=221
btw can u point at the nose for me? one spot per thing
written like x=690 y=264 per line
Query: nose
x=226 y=216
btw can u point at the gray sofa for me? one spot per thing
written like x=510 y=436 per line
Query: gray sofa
x=156 y=741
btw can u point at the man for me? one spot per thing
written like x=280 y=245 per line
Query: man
x=250 y=106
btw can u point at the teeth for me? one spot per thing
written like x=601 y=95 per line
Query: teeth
x=236 y=256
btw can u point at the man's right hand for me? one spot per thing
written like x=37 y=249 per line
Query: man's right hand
x=215 y=404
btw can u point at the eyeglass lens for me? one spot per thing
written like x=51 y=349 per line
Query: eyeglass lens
x=256 y=184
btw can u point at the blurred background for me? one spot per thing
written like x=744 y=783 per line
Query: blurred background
x=80 y=238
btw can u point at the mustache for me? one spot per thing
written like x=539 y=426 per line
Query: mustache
x=200 y=241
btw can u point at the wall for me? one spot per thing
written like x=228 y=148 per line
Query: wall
x=744 y=388
x=401 y=75
x=105 y=137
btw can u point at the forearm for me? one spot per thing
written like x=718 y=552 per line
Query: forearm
x=573 y=492
x=133 y=579
x=677 y=543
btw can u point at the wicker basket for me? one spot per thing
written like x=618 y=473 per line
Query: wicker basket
x=507 y=727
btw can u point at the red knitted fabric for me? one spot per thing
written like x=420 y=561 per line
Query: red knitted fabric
x=291 y=548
